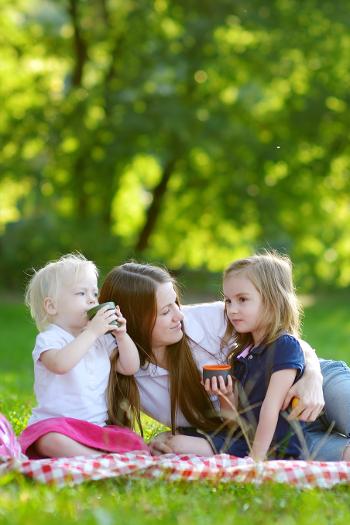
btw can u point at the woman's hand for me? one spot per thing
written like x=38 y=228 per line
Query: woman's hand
x=159 y=445
x=308 y=389
x=309 y=392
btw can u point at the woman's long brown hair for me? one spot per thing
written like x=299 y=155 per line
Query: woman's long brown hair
x=133 y=287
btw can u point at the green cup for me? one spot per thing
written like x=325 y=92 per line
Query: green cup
x=93 y=311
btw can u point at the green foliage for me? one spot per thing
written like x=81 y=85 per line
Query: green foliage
x=327 y=325
x=184 y=132
x=28 y=244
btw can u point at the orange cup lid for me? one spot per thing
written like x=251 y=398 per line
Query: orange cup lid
x=216 y=367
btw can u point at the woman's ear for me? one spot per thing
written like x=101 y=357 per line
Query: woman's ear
x=50 y=306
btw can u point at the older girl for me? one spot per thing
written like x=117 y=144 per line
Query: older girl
x=267 y=359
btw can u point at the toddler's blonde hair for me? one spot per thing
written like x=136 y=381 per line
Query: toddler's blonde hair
x=48 y=281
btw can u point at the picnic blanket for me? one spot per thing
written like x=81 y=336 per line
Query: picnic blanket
x=172 y=467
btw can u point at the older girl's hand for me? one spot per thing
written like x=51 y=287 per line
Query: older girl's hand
x=216 y=386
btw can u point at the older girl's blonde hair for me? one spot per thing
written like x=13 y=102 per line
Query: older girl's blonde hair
x=48 y=281
x=271 y=275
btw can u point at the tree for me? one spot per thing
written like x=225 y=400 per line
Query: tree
x=190 y=132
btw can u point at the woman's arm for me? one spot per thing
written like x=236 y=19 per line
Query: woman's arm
x=160 y=444
x=308 y=388
x=278 y=387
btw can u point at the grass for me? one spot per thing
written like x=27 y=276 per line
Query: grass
x=326 y=327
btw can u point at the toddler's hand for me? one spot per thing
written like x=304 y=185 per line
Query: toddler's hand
x=216 y=386
x=100 y=324
x=119 y=330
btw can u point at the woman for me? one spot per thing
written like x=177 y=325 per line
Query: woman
x=175 y=343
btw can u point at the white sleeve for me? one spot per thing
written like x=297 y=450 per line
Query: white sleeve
x=205 y=319
x=48 y=340
x=108 y=342
x=205 y=324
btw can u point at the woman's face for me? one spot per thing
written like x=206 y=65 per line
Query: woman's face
x=167 y=329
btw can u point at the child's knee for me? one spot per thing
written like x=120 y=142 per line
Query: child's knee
x=49 y=444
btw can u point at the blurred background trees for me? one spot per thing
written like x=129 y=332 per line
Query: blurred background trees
x=183 y=132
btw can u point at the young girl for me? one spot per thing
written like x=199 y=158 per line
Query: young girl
x=263 y=314
x=72 y=364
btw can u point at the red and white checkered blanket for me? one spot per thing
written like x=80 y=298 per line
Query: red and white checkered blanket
x=173 y=467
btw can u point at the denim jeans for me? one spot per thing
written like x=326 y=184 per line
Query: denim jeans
x=328 y=436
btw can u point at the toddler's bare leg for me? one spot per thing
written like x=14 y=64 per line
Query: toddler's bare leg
x=55 y=445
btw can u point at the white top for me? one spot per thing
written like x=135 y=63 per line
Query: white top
x=205 y=324
x=79 y=393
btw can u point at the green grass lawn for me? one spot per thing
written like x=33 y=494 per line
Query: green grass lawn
x=326 y=327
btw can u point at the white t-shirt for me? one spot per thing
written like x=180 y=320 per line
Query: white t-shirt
x=79 y=393
x=205 y=324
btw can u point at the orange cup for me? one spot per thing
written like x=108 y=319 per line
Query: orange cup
x=210 y=371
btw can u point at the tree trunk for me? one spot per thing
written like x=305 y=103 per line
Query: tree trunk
x=155 y=207
x=80 y=58
x=80 y=47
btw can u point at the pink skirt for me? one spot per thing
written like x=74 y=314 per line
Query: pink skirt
x=110 y=438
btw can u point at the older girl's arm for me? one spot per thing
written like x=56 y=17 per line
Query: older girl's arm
x=278 y=387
